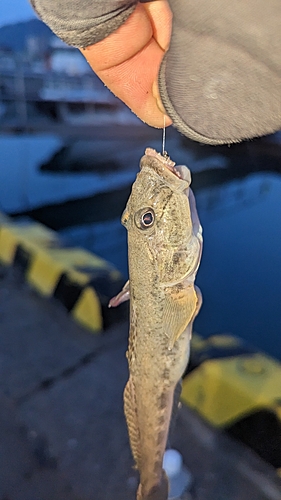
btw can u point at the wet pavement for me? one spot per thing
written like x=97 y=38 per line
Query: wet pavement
x=62 y=427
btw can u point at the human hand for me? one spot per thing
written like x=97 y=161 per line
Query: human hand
x=128 y=60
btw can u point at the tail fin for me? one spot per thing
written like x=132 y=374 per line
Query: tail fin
x=158 y=492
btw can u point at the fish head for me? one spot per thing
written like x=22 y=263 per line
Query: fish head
x=164 y=232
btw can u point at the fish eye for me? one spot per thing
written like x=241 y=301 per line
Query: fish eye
x=145 y=218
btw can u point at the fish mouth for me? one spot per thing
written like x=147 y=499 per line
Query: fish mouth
x=183 y=181
x=180 y=171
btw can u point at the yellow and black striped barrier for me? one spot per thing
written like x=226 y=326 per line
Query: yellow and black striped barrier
x=236 y=388
x=81 y=281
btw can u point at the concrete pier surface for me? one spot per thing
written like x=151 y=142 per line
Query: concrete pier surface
x=62 y=429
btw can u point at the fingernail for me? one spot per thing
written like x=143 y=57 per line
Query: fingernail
x=156 y=95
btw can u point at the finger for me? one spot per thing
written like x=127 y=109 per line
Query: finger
x=128 y=62
x=160 y=16
x=135 y=83
x=123 y=43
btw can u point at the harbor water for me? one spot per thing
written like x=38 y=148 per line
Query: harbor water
x=238 y=200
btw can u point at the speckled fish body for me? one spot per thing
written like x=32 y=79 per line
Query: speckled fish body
x=164 y=247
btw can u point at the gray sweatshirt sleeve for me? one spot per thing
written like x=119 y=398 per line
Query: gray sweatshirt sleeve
x=220 y=80
x=83 y=22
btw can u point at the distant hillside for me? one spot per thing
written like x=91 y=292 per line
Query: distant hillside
x=14 y=36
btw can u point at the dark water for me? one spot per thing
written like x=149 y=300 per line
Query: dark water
x=240 y=273
x=238 y=194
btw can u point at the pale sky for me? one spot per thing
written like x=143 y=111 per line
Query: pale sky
x=13 y=11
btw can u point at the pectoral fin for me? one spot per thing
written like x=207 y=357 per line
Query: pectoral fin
x=121 y=297
x=180 y=309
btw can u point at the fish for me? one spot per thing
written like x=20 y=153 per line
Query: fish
x=164 y=252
